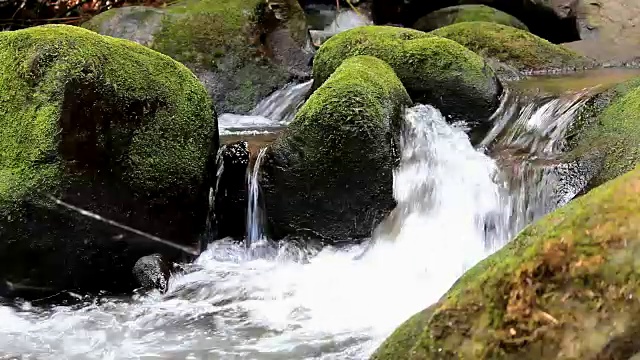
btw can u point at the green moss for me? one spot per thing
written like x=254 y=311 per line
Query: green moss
x=515 y=47
x=561 y=290
x=610 y=125
x=158 y=137
x=354 y=106
x=466 y=13
x=432 y=69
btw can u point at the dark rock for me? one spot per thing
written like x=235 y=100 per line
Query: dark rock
x=152 y=272
x=230 y=205
x=466 y=13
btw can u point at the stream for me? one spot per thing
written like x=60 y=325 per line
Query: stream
x=457 y=204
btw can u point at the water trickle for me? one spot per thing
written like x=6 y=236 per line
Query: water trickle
x=255 y=216
x=272 y=113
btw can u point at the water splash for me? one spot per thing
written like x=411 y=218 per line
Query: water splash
x=255 y=218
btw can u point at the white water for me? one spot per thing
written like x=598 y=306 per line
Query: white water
x=296 y=302
x=254 y=210
x=272 y=113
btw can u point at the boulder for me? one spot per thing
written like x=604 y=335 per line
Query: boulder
x=230 y=200
x=514 y=47
x=434 y=70
x=466 y=13
x=152 y=272
x=607 y=132
x=105 y=147
x=242 y=50
x=565 y=288
x=330 y=175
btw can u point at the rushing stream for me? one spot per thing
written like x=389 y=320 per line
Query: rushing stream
x=456 y=205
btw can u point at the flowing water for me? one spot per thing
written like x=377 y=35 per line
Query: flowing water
x=254 y=210
x=456 y=205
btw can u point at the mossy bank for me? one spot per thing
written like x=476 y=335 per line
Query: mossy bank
x=514 y=47
x=434 y=70
x=607 y=131
x=466 y=13
x=330 y=175
x=241 y=50
x=565 y=288
x=106 y=125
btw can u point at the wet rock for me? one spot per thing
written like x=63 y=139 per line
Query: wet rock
x=240 y=50
x=607 y=132
x=434 y=70
x=563 y=289
x=231 y=190
x=330 y=175
x=106 y=146
x=466 y=13
x=554 y=20
x=152 y=272
x=513 y=47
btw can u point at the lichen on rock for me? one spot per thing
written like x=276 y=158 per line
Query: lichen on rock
x=434 y=70
x=331 y=173
x=562 y=289
x=106 y=125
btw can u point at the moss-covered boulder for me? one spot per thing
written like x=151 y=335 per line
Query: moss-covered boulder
x=566 y=288
x=514 y=47
x=434 y=70
x=242 y=50
x=330 y=175
x=104 y=125
x=466 y=13
x=607 y=132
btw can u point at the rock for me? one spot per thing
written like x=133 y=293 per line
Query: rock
x=554 y=20
x=106 y=147
x=152 y=272
x=563 y=289
x=231 y=190
x=466 y=13
x=242 y=50
x=433 y=70
x=514 y=47
x=607 y=132
x=330 y=175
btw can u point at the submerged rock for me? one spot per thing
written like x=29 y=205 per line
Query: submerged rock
x=105 y=147
x=434 y=70
x=514 y=47
x=241 y=50
x=330 y=175
x=152 y=272
x=563 y=289
x=607 y=132
x=466 y=13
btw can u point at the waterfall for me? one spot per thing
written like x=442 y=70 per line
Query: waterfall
x=254 y=209
x=272 y=113
x=456 y=205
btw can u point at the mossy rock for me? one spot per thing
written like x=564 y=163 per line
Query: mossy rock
x=242 y=50
x=434 y=70
x=106 y=125
x=514 y=47
x=330 y=175
x=466 y=13
x=566 y=288
x=607 y=131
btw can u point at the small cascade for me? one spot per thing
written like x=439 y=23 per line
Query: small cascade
x=255 y=215
x=528 y=140
x=271 y=114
